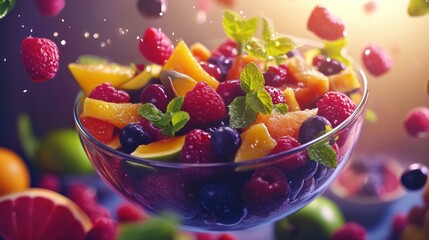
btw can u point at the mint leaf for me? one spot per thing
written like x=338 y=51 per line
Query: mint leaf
x=281 y=108
x=260 y=101
x=251 y=78
x=150 y=112
x=237 y=28
x=175 y=104
x=323 y=153
x=153 y=228
x=337 y=50
x=179 y=120
x=241 y=115
x=254 y=48
x=267 y=29
x=280 y=45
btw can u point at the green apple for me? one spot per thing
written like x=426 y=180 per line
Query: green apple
x=60 y=151
x=418 y=8
x=317 y=220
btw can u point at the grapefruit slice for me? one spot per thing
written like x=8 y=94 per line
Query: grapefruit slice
x=41 y=214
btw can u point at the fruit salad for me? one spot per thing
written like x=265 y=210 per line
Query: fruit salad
x=227 y=138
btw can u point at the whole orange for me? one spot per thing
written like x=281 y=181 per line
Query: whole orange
x=14 y=174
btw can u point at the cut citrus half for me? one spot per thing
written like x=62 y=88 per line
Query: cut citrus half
x=41 y=214
x=163 y=150
x=143 y=78
x=88 y=76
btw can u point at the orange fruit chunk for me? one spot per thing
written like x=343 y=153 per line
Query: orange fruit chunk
x=41 y=214
x=239 y=64
x=118 y=114
x=344 y=81
x=200 y=52
x=14 y=174
x=256 y=142
x=290 y=98
x=288 y=124
x=310 y=84
x=182 y=61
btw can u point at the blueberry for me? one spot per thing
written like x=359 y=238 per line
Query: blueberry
x=225 y=142
x=414 y=177
x=133 y=135
x=312 y=127
x=222 y=202
x=329 y=66
x=152 y=8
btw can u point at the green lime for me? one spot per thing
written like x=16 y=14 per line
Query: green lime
x=61 y=152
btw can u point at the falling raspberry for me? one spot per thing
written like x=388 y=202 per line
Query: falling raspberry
x=40 y=58
x=376 y=60
x=50 y=8
x=417 y=122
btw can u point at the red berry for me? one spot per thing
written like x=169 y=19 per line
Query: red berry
x=416 y=122
x=325 y=25
x=317 y=60
x=227 y=236
x=212 y=69
x=204 y=236
x=155 y=94
x=103 y=228
x=376 y=60
x=229 y=90
x=106 y=92
x=350 y=231
x=154 y=132
x=197 y=148
x=291 y=162
x=86 y=198
x=40 y=58
x=204 y=106
x=155 y=46
x=227 y=49
x=276 y=94
x=336 y=107
x=276 y=76
x=99 y=129
x=51 y=182
x=399 y=223
x=50 y=8
x=127 y=212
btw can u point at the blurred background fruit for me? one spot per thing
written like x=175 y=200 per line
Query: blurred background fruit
x=14 y=174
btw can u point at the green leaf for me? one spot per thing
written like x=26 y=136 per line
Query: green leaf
x=251 y=78
x=237 y=28
x=260 y=101
x=323 y=153
x=337 y=50
x=179 y=120
x=281 y=108
x=29 y=142
x=254 y=48
x=175 y=104
x=267 y=29
x=280 y=45
x=241 y=115
x=371 y=116
x=150 y=112
x=153 y=228
x=92 y=59
x=6 y=7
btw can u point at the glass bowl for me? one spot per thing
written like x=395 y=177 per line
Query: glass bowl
x=235 y=202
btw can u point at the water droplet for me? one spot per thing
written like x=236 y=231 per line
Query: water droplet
x=63 y=42
x=123 y=31
x=22 y=26
x=95 y=35
x=172 y=34
x=201 y=17
x=31 y=30
x=19 y=15
x=62 y=20
x=109 y=41
x=4 y=60
x=25 y=90
x=102 y=44
x=55 y=34
x=105 y=20
x=86 y=34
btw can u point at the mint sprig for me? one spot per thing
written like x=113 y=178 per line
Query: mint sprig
x=239 y=29
x=272 y=46
x=244 y=110
x=323 y=153
x=169 y=122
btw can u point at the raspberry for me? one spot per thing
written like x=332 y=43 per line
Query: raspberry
x=127 y=212
x=227 y=236
x=99 y=129
x=399 y=223
x=103 y=228
x=204 y=106
x=416 y=122
x=50 y=8
x=227 y=49
x=51 y=182
x=336 y=107
x=350 y=231
x=276 y=76
x=376 y=60
x=291 y=162
x=106 y=92
x=229 y=90
x=204 y=236
x=155 y=46
x=40 y=58
x=276 y=94
x=212 y=69
x=198 y=148
x=325 y=25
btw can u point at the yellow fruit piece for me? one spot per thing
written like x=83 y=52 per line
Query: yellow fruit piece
x=256 y=142
x=288 y=124
x=182 y=61
x=118 y=114
x=88 y=76
x=143 y=78
x=183 y=85
x=200 y=52
x=291 y=101
x=163 y=150
x=14 y=174
x=310 y=84
x=344 y=81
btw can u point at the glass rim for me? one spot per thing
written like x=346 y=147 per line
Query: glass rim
x=360 y=109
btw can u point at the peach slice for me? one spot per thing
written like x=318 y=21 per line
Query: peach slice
x=344 y=81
